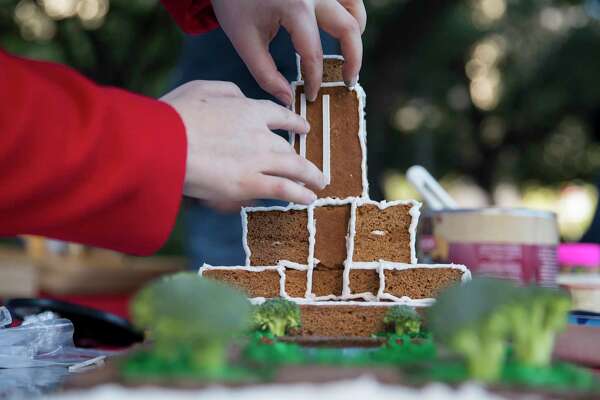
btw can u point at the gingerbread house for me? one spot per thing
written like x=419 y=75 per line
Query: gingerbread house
x=344 y=258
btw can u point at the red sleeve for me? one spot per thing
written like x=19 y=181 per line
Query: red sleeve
x=192 y=16
x=84 y=163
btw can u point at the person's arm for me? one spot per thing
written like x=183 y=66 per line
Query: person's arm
x=192 y=16
x=104 y=167
x=84 y=163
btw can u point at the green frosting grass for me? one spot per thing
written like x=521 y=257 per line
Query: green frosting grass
x=148 y=364
x=266 y=351
x=416 y=355
x=557 y=377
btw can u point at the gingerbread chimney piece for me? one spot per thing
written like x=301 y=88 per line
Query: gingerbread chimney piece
x=337 y=140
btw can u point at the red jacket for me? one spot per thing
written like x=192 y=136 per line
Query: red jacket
x=90 y=164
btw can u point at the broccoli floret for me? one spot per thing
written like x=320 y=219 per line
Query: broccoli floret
x=403 y=320
x=277 y=316
x=536 y=315
x=470 y=319
x=185 y=311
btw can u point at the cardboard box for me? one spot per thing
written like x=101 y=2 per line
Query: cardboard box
x=18 y=274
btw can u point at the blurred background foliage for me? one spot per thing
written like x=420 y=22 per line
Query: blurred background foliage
x=500 y=99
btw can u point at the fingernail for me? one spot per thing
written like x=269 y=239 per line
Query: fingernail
x=307 y=126
x=323 y=183
x=309 y=96
x=351 y=83
x=312 y=197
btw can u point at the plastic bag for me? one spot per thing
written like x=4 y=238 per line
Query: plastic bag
x=5 y=318
x=41 y=340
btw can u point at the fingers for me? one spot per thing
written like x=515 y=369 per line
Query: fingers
x=358 y=11
x=254 y=51
x=274 y=187
x=304 y=31
x=292 y=166
x=277 y=144
x=278 y=117
x=338 y=22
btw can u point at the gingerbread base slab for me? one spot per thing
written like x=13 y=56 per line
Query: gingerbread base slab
x=334 y=342
x=342 y=320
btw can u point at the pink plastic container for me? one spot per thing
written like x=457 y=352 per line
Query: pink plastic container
x=579 y=255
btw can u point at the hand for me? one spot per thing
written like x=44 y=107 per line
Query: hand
x=252 y=24
x=232 y=154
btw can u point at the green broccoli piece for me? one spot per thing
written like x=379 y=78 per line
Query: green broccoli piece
x=536 y=315
x=470 y=319
x=277 y=316
x=185 y=311
x=404 y=320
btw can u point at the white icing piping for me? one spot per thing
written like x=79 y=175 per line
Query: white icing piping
x=247 y=250
x=207 y=267
x=365 y=265
x=291 y=134
x=381 y=291
x=303 y=115
x=312 y=231
x=311 y=236
x=291 y=206
x=292 y=265
x=367 y=296
x=349 y=250
x=332 y=201
x=282 y=292
x=309 y=276
x=408 y=302
x=326 y=140
x=311 y=253
x=257 y=301
x=328 y=297
x=325 y=84
x=378 y=233
x=362 y=136
x=298 y=69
